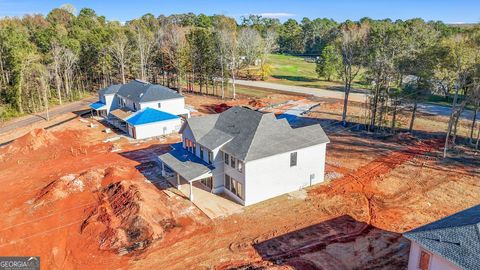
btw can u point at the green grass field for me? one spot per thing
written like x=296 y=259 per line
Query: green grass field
x=294 y=70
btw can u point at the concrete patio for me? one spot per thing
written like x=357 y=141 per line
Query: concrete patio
x=213 y=205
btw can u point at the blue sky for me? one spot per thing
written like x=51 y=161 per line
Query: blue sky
x=452 y=11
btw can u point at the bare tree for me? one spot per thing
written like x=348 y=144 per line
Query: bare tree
x=352 y=44
x=250 y=45
x=172 y=42
x=225 y=39
x=56 y=51
x=460 y=60
x=45 y=89
x=230 y=44
x=270 y=43
x=118 y=50
x=145 y=42
x=69 y=59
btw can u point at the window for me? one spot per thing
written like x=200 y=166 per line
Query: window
x=234 y=186
x=201 y=152
x=190 y=145
x=232 y=162
x=293 y=159
x=227 y=181
x=134 y=106
x=210 y=157
x=424 y=262
x=237 y=189
x=159 y=105
x=240 y=166
x=226 y=158
x=207 y=182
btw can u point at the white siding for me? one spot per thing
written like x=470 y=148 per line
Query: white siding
x=157 y=128
x=272 y=176
x=130 y=104
x=111 y=102
x=217 y=160
x=174 y=106
x=436 y=262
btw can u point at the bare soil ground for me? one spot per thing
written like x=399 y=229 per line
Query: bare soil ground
x=79 y=202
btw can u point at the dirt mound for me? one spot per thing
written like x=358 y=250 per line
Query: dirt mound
x=125 y=220
x=32 y=141
x=71 y=183
x=218 y=108
x=257 y=103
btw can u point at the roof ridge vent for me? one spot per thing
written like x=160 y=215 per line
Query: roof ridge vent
x=141 y=81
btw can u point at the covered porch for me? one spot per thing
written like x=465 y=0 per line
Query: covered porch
x=98 y=109
x=180 y=166
x=194 y=178
x=118 y=118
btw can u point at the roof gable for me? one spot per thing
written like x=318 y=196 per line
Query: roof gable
x=140 y=91
x=455 y=238
x=112 y=89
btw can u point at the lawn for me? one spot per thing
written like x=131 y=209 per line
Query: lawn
x=294 y=70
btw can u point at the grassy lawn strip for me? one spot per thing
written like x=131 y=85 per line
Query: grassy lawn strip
x=294 y=70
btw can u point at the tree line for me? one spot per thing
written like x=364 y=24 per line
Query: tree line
x=64 y=55
x=403 y=63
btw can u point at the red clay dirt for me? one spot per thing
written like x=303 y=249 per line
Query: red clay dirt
x=76 y=218
x=80 y=203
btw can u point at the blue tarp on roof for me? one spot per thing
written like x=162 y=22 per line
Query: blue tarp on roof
x=149 y=115
x=97 y=105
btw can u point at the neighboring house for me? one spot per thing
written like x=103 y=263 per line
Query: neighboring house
x=142 y=109
x=449 y=243
x=248 y=155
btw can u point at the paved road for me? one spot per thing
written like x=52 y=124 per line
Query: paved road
x=358 y=97
x=31 y=119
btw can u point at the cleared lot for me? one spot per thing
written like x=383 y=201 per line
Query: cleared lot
x=82 y=199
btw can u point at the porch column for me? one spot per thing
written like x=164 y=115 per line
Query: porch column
x=163 y=169
x=191 y=192
x=178 y=181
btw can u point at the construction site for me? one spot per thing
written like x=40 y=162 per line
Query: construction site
x=82 y=198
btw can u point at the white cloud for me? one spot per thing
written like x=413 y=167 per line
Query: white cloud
x=276 y=15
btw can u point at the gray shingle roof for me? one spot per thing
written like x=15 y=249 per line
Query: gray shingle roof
x=185 y=163
x=112 y=89
x=140 y=91
x=251 y=135
x=455 y=238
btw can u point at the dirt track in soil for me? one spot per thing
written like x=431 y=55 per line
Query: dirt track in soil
x=377 y=190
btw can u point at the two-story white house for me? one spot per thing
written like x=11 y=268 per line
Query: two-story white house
x=142 y=109
x=450 y=243
x=248 y=155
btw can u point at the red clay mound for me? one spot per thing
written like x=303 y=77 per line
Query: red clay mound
x=127 y=219
x=257 y=103
x=68 y=184
x=34 y=140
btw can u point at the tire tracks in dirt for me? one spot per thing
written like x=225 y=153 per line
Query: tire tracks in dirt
x=361 y=180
